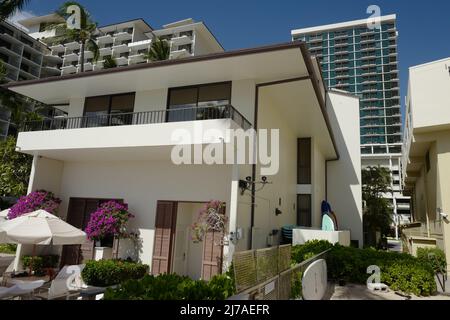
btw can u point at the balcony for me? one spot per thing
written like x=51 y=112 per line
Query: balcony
x=178 y=41
x=123 y=35
x=136 y=58
x=71 y=57
x=120 y=48
x=122 y=61
x=70 y=69
x=105 y=39
x=176 y=54
x=106 y=51
x=58 y=48
x=137 y=132
x=72 y=45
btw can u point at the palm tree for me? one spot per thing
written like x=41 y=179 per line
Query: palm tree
x=9 y=7
x=85 y=35
x=109 y=63
x=159 y=50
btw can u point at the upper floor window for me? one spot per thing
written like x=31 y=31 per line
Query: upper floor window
x=109 y=110
x=187 y=100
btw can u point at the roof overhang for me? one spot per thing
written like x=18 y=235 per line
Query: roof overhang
x=285 y=72
x=262 y=64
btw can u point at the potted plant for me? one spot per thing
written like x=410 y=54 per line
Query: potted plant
x=107 y=222
x=210 y=218
x=40 y=199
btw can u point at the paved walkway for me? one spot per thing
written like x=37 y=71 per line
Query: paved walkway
x=360 y=292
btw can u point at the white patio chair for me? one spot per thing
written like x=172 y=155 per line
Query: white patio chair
x=67 y=284
x=20 y=289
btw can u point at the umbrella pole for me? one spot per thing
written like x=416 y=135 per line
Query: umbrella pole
x=32 y=259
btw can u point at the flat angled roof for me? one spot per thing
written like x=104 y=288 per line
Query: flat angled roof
x=157 y=64
x=341 y=25
x=118 y=24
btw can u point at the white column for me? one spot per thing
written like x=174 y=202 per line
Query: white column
x=232 y=223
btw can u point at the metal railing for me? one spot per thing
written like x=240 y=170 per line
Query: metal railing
x=140 y=118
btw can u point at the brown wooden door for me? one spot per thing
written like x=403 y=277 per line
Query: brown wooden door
x=212 y=254
x=165 y=223
x=78 y=215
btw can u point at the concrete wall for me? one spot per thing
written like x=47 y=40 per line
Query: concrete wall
x=282 y=193
x=426 y=81
x=344 y=176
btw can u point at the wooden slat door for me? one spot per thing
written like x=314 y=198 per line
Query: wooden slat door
x=75 y=216
x=212 y=254
x=166 y=218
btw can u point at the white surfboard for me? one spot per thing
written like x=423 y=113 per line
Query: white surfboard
x=314 y=282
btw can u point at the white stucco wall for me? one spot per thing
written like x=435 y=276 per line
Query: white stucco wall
x=344 y=176
x=425 y=81
x=283 y=187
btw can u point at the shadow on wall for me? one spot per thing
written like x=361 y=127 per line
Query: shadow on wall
x=344 y=176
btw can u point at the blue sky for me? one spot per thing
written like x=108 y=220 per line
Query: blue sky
x=423 y=26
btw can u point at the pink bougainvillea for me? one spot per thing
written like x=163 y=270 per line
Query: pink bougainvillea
x=210 y=218
x=36 y=200
x=109 y=219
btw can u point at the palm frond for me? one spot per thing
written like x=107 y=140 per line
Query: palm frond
x=91 y=45
x=159 y=50
x=9 y=7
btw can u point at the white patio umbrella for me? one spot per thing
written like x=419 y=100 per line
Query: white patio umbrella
x=40 y=228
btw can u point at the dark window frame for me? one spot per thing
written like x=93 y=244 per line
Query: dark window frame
x=111 y=96
x=197 y=86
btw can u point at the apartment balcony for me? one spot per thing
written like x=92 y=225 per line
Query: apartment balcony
x=342 y=76
x=135 y=133
x=139 y=45
x=53 y=58
x=122 y=61
x=120 y=48
x=71 y=57
x=342 y=36
x=341 y=68
x=72 y=45
x=88 y=66
x=176 y=54
x=341 y=59
x=315 y=40
x=70 y=69
x=367 y=33
x=51 y=70
x=368 y=49
x=178 y=41
x=136 y=58
x=340 y=45
x=367 y=41
x=105 y=39
x=368 y=57
x=106 y=51
x=123 y=36
x=58 y=48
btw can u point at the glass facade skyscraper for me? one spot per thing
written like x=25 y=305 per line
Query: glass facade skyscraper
x=361 y=58
x=363 y=61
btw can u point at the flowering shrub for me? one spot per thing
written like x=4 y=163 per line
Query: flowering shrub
x=109 y=219
x=210 y=218
x=36 y=200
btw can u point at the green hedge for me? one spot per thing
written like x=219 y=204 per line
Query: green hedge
x=309 y=250
x=400 y=271
x=172 y=287
x=106 y=273
x=40 y=263
x=434 y=256
x=8 y=248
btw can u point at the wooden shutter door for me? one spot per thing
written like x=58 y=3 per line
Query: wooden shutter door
x=166 y=218
x=75 y=216
x=212 y=254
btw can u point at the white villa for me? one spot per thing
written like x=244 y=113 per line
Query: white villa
x=116 y=143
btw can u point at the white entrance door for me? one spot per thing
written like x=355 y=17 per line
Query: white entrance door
x=180 y=250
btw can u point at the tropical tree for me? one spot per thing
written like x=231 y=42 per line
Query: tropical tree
x=9 y=7
x=159 y=50
x=376 y=182
x=85 y=35
x=109 y=63
x=15 y=169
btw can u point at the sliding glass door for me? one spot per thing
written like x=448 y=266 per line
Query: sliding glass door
x=199 y=102
x=110 y=110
